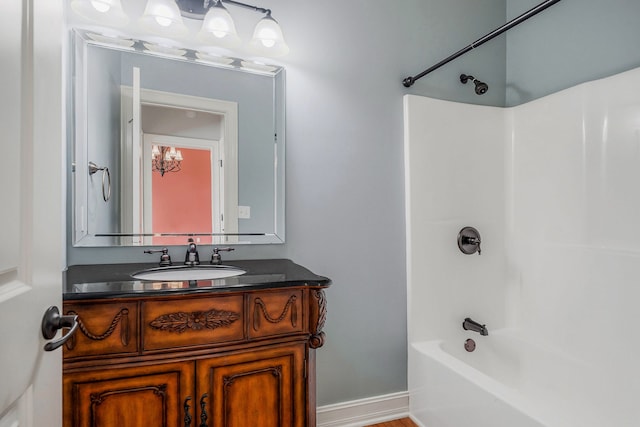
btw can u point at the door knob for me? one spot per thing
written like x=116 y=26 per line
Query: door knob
x=52 y=321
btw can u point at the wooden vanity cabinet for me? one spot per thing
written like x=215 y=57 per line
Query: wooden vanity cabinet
x=241 y=359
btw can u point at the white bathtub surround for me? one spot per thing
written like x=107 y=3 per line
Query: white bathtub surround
x=556 y=198
x=454 y=179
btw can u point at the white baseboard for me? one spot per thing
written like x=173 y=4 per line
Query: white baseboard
x=363 y=412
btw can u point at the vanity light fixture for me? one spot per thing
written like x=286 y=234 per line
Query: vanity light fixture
x=165 y=159
x=164 y=18
x=107 y=12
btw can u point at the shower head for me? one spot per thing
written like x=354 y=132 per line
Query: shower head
x=481 y=87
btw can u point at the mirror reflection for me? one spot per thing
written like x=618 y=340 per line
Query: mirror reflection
x=192 y=149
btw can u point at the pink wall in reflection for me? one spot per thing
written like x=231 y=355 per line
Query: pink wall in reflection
x=182 y=200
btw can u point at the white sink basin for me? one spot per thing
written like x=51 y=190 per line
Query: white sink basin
x=184 y=273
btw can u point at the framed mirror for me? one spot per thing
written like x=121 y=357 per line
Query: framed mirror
x=173 y=143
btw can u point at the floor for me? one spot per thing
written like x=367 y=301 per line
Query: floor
x=405 y=422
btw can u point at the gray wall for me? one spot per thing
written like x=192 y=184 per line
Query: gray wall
x=572 y=42
x=103 y=83
x=345 y=191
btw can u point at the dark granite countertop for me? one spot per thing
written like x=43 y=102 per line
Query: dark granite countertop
x=98 y=281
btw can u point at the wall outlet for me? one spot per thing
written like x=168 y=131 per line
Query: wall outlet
x=244 y=212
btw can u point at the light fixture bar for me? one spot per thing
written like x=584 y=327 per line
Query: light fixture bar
x=248 y=6
x=197 y=9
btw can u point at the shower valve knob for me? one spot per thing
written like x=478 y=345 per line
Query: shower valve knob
x=469 y=241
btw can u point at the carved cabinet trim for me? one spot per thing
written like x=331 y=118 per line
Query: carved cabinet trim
x=317 y=317
x=198 y=322
x=181 y=321
x=276 y=313
x=104 y=329
x=125 y=331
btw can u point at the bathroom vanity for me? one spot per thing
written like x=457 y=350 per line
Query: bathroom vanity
x=238 y=351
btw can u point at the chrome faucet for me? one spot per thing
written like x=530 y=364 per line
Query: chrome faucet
x=471 y=325
x=192 y=257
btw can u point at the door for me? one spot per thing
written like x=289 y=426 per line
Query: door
x=31 y=209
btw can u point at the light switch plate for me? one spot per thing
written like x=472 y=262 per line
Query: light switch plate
x=244 y=212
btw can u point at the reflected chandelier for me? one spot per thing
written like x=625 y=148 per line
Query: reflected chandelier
x=165 y=159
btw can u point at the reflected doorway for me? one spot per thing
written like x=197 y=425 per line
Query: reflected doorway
x=208 y=127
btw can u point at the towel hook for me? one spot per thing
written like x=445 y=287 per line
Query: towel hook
x=106 y=175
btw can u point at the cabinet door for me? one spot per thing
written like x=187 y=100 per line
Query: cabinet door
x=263 y=388
x=130 y=397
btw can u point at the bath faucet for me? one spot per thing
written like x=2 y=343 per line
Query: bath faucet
x=192 y=257
x=471 y=325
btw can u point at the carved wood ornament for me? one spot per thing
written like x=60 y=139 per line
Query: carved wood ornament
x=121 y=316
x=196 y=320
x=260 y=307
x=317 y=318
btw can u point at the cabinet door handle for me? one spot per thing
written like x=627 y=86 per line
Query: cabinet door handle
x=203 y=411
x=52 y=321
x=187 y=415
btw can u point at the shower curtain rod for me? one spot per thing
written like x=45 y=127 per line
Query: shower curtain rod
x=409 y=81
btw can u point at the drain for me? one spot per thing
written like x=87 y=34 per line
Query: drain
x=469 y=345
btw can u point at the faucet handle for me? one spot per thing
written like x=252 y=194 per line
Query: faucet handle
x=165 y=259
x=469 y=241
x=216 y=258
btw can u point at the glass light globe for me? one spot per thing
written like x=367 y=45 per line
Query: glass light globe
x=218 y=27
x=101 y=6
x=106 y=12
x=268 y=39
x=162 y=17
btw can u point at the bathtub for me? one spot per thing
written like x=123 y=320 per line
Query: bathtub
x=510 y=382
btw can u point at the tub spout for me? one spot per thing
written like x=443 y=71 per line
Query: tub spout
x=471 y=325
